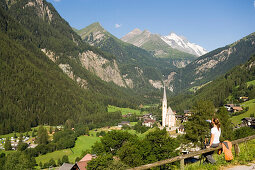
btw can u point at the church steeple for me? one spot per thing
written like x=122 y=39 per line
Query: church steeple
x=164 y=96
x=164 y=108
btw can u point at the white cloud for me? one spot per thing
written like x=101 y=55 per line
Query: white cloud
x=57 y=0
x=117 y=25
x=254 y=3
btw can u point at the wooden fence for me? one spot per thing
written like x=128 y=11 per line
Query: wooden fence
x=182 y=157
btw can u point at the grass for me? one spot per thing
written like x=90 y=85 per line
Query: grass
x=251 y=104
x=195 y=88
x=251 y=83
x=55 y=155
x=124 y=111
x=246 y=155
x=140 y=135
x=133 y=123
x=82 y=143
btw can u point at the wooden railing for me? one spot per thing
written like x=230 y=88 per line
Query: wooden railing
x=182 y=157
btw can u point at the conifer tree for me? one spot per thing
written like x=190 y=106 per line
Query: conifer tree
x=65 y=159
x=42 y=135
x=197 y=129
x=7 y=144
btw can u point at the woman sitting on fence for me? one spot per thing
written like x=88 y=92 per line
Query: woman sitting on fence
x=215 y=139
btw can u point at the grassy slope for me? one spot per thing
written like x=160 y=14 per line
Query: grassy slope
x=251 y=105
x=123 y=111
x=83 y=143
x=246 y=155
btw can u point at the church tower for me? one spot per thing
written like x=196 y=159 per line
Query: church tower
x=164 y=108
x=168 y=116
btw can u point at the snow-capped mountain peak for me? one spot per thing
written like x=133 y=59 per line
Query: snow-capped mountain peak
x=182 y=44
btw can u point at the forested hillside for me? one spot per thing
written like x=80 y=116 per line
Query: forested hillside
x=35 y=90
x=227 y=88
x=215 y=63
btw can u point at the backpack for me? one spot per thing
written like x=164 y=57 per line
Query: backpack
x=227 y=146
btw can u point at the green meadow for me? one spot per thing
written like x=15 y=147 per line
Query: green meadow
x=246 y=155
x=251 y=104
x=124 y=111
x=82 y=143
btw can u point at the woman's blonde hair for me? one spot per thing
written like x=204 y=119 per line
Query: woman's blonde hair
x=216 y=122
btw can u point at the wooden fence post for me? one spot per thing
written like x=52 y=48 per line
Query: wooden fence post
x=237 y=149
x=182 y=164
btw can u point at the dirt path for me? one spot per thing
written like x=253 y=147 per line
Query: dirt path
x=250 y=166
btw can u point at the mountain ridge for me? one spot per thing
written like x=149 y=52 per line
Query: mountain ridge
x=216 y=63
x=175 y=42
x=42 y=77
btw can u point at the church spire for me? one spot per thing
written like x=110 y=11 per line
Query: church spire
x=164 y=96
x=164 y=108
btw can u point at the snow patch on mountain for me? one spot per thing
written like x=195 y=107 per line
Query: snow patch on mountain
x=182 y=44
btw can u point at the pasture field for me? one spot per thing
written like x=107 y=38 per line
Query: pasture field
x=251 y=104
x=82 y=143
x=124 y=111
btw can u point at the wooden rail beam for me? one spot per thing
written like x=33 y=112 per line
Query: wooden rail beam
x=182 y=157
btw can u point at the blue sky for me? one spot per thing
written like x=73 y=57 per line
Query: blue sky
x=209 y=23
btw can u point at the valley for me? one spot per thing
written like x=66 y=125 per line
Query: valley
x=67 y=94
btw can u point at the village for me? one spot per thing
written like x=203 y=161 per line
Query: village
x=173 y=123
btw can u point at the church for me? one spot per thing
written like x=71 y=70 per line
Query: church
x=168 y=116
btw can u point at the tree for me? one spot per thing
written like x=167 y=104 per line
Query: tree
x=197 y=128
x=101 y=162
x=59 y=162
x=19 y=160
x=33 y=133
x=226 y=124
x=2 y=160
x=65 y=159
x=140 y=128
x=20 y=138
x=156 y=146
x=42 y=135
x=50 y=131
x=15 y=135
x=27 y=134
x=69 y=124
x=40 y=164
x=243 y=132
x=52 y=162
x=7 y=144
x=112 y=141
x=22 y=146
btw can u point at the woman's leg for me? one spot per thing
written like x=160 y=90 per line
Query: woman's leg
x=209 y=157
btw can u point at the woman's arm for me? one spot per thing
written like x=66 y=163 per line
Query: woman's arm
x=212 y=138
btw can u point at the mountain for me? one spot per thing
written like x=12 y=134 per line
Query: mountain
x=164 y=46
x=157 y=47
x=139 y=68
x=215 y=63
x=182 y=44
x=45 y=74
x=228 y=88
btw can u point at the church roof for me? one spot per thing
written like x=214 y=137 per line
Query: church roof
x=170 y=111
